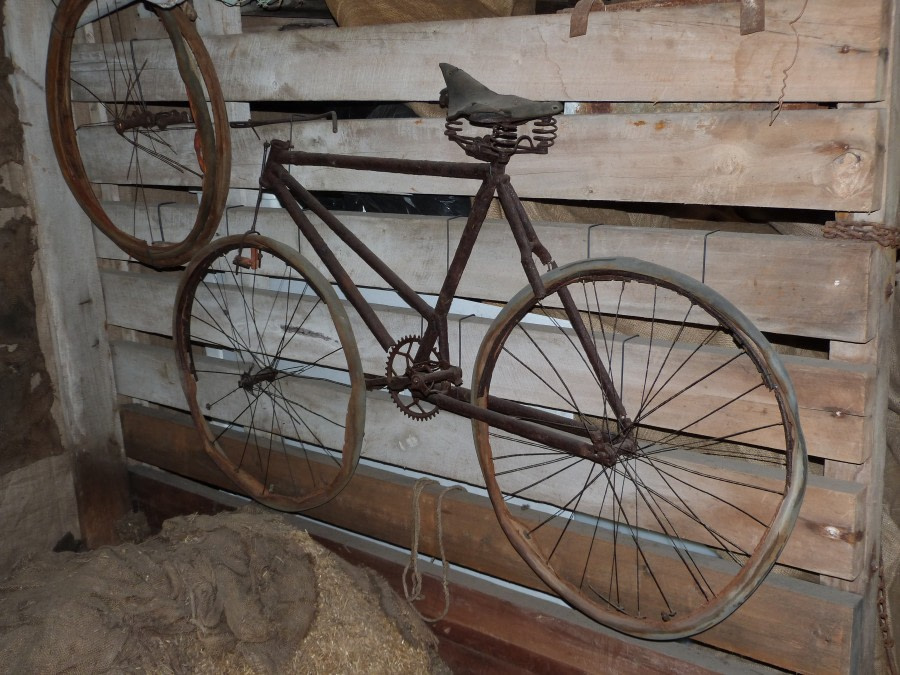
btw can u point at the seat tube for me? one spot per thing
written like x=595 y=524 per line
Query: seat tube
x=437 y=330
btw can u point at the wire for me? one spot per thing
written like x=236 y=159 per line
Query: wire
x=780 y=104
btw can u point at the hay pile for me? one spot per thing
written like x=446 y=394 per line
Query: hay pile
x=236 y=593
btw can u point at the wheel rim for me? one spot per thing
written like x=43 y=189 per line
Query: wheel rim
x=676 y=533
x=159 y=165
x=271 y=372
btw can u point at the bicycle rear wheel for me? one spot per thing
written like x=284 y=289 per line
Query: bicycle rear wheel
x=682 y=502
x=271 y=371
x=119 y=136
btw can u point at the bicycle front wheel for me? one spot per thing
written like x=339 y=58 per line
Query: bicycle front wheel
x=271 y=371
x=693 y=465
x=118 y=138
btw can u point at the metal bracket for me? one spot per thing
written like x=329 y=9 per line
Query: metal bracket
x=753 y=16
x=753 y=12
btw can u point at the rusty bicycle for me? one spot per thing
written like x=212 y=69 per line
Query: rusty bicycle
x=637 y=435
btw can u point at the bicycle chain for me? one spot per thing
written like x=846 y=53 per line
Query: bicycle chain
x=881 y=234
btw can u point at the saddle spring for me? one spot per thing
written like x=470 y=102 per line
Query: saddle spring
x=504 y=141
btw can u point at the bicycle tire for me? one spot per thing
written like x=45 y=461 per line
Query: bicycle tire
x=268 y=354
x=141 y=233
x=673 y=532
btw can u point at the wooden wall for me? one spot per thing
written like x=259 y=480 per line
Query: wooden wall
x=690 y=122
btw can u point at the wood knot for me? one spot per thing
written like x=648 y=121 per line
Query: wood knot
x=847 y=174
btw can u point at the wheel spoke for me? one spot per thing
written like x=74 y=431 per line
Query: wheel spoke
x=283 y=342
x=676 y=505
x=106 y=106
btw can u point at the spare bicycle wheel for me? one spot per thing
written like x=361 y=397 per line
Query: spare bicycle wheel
x=271 y=371
x=139 y=126
x=667 y=511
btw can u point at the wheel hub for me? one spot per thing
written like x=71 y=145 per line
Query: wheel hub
x=250 y=379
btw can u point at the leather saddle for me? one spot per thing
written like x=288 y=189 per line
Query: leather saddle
x=466 y=98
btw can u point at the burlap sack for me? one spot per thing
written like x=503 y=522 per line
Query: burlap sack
x=239 y=593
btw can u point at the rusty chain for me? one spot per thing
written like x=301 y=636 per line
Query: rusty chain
x=881 y=234
x=884 y=622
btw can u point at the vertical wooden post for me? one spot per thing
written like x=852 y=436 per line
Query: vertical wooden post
x=71 y=314
x=870 y=473
x=877 y=352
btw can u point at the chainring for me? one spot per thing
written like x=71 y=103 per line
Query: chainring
x=400 y=364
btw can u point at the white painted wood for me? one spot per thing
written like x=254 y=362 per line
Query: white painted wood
x=685 y=54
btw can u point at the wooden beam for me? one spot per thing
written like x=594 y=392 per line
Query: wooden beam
x=834 y=399
x=685 y=54
x=880 y=351
x=821 y=618
x=789 y=285
x=69 y=302
x=812 y=159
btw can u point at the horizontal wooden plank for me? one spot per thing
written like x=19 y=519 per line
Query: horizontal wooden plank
x=822 y=618
x=833 y=53
x=834 y=398
x=826 y=539
x=791 y=285
x=811 y=159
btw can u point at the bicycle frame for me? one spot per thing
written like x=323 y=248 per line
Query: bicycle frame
x=494 y=181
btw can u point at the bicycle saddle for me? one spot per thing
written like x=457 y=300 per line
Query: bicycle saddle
x=467 y=98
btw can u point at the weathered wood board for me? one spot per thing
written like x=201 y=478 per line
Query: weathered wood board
x=829 y=435
x=771 y=279
x=812 y=159
x=825 y=540
x=714 y=142
x=685 y=54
